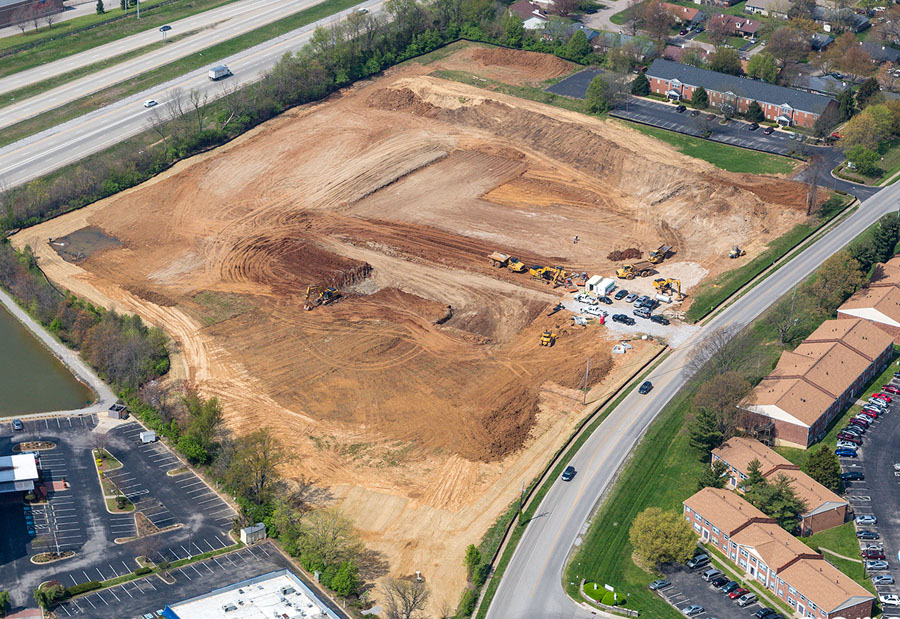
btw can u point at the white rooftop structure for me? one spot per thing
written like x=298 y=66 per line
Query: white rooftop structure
x=18 y=473
x=278 y=595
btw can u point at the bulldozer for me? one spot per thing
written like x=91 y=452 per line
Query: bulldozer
x=548 y=338
x=318 y=295
x=638 y=269
x=659 y=254
x=499 y=260
x=515 y=265
x=669 y=286
x=736 y=252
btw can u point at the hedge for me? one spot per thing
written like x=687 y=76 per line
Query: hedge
x=82 y=588
x=141 y=571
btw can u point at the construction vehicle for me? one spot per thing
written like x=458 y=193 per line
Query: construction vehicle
x=557 y=308
x=548 y=338
x=516 y=266
x=638 y=269
x=536 y=271
x=318 y=295
x=736 y=252
x=499 y=260
x=659 y=254
x=557 y=276
x=669 y=286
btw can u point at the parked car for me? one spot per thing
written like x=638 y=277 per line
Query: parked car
x=605 y=300
x=645 y=387
x=625 y=320
x=845 y=452
x=18 y=426
x=842 y=444
x=882 y=396
x=710 y=117
x=872 y=554
x=753 y=126
x=683 y=32
x=866 y=534
x=876 y=566
x=855 y=430
x=630 y=297
x=697 y=561
x=860 y=420
x=875 y=402
x=641 y=300
x=852 y=476
x=641 y=312
x=709 y=574
x=621 y=294
x=897 y=466
x=866 y=519
x=891 y=389
x=746 y=599
x=883 y=579
x=874 y=546
x=659 y=584
x=680 y=109
x=660 y=319
x=737 y=593
x=650 y=304
x=693 y=609
x=569 y=473
x=769 y=130
x=730 y=586
x=718 y=582
x=849 y=437
x=583 y=297
x=695 y=113
x=765 y=613
x=594 y=311
x=890 y=599
x=871 y=413
x=874 y=409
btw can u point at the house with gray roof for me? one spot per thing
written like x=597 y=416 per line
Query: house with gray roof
x=786 y=106
x=779 y=9
x=822 y=85
x=838 y=20
x=881 y=53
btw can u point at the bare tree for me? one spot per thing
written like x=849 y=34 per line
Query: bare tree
x=35 y=16
x=405 y=599
x=50 y=18
x=633 y=17
x=784 y=317
x=814 y=169
x=718 y=30
x=198 y=104
x=22 y=16
x=658 y=22
x=719 y=353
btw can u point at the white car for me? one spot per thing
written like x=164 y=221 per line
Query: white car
x=866 y=519
x=890 y=599
x=847 y=445
x=585 y=298
x=150 y=103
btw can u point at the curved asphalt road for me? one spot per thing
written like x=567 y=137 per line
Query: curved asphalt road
x=71 y=141
x=532 y=584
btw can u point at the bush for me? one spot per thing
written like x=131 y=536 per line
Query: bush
x=142 y=571
x=84 y=587
x=467 y=603
x=610 y=599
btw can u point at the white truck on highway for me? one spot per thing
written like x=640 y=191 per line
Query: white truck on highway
x=219 y=72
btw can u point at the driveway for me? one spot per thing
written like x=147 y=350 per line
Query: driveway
x=600 y=19
x=688 y=588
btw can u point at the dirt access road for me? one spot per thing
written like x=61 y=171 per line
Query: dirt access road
x=422 y=423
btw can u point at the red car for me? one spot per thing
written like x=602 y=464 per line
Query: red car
x=858 y=422
x=737 y=593
x=881 y=396
x=873 y=555
x=869 y=413
x=891 y=389
x=847 y=436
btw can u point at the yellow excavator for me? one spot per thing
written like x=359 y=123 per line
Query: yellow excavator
x=736 y=252
x=515 y=265
x=659 y=254
x=318 y=295
x=669 y=286
x=548 y=338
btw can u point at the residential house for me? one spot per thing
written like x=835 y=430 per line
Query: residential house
x=533 y=16
x=779 y=9
x=606 y=41
x=684 y=15
x=736 y=26
x=879 y=302
x=18 y=11
x=824 y=508
x=786 y=106
x=719 y=3
x=819 y=41
x=589 y=34
x=675 y=53
x=881 y=53
x=837 y=20
x=815 y=382
x=774 y=558
x=820 y=85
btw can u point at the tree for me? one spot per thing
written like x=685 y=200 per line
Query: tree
x=599 y=96
x=726 y=60
x=804 y=25
x=4 y=603
x=846 y=104
x=778 y=499
x=253 y=466
x=823 y=466
x=515 y=31
x=578 y=46
x=837 y=278
x=755 y=113
x=327 y=537
x=472 y=560
x=718 y=30
x=866 y=90
x=715 y=476
x=785 y=316
x=861 y=130
x=856 y=61
x=827 y=120
x=662 y=537
x=803 y=9
x=48 y=593
x=865 y=159
x=887 y=233
x=641 y=85
x=658 y=23
x=720 y=395
x=205 y=418
x=700 y=99
x=346 y=580
x=763 y=66
x=633 y=16
x=704 y=432
x=694 y=57
x=405 y=599
x=123 y=4
x=786 y=45
x=720 y=352
x=100 y=9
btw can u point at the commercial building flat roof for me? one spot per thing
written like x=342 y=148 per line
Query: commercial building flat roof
x=18 y=473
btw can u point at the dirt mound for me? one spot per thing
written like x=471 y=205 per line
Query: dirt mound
x=546 y=65
x=508 y=423
x=151 y=295
x=400 y=99
x=572 y=375
x=632 y=253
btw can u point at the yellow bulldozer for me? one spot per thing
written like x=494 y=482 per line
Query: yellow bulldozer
x=659 y=254
x=548 y=338
x=736 y=252
x=319 y=295
x=638 y=269
x=669 y=286
x=515 y=265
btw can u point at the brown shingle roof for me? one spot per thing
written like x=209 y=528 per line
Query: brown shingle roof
x=739 y=452
x=725 y=509
x=794 y=396
x=775 y=546
x=815 y=495
x=857 y=335
x=884 y=299
x=684 y=13
x=887 y=274
x=822 y=583
x=827 y=365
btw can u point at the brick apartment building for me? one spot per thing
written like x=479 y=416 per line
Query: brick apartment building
x=787 y=567
x=785 y=106
x=879 y=302
x=815 y=382
x=17 y=11
x=824 y=508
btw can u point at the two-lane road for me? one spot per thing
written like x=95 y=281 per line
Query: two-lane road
x=532 y=585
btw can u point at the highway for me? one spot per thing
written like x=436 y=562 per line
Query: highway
x=532 y=584
x=73 y=140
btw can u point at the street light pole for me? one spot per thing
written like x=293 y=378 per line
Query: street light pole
x=139 y=9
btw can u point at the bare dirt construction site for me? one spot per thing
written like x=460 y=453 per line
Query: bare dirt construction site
x=421 y=420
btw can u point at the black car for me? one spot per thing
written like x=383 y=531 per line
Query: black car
x=625 y=320
x=769 y=130
x=710 y=117
x=730 y=586
x=621 y=294
x=765 y=613
x=866 y=534
x=644 y=389
x=650 y=304
x=606 y=300
x=660 y=319
x=680 y=109
x=719 y=582
x=852 y=476
x=695 y=113
x=754 y=126
x=569 y=473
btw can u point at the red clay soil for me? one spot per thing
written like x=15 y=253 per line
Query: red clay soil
x=632 y=253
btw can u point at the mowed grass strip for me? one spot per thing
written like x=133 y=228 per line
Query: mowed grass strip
x=170 y=71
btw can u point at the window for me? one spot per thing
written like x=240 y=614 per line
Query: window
x=744 y=553
x=733 y=546
x=706 y=522
x=743 y=563
x=792 y=602
x=811 y=605
x=696 y=527
x=716 y=531
x=698 y=516
x=802 y=598
x=791 y=590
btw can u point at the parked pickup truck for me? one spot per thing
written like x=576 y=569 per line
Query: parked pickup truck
x=219 y=72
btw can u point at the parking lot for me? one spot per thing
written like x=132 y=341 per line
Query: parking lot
x=75 y=517
x=688 y=588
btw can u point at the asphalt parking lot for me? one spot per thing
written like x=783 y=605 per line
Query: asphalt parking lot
x=673 y=333
x=76 y=518
x=576 y=85
x=879 y=493
x=688 y=588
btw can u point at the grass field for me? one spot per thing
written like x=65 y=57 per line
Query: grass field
x=730 y=158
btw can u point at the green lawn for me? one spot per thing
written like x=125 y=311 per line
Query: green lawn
x=730 y=158
x=67 y=38
x=888 y=166
x=735 y=42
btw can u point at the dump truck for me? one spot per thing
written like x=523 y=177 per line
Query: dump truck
x=736 y=252
x=499 y=260
x=317 y=295
x=548 y=338
x=219 y=72
x=659 y=254
x=638 y=269
x=516 y=266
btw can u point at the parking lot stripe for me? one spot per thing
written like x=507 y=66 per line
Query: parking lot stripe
x=88 y=600
x=185 y=574
x=102 y=599
x=86 y=577
x=102 y=577
x=114 y=594
x=214 y=498
x=125 y=589
x=196 y=570
x=220 y=541
x=208 y=544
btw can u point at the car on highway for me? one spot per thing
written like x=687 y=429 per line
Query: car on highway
x=844 y=452
x=872 y=554
x=697 y=561
x=737 y=593
x=659 y=319
x=568 y=474
x=18 y=426
x=680 y=109
x=852 y=476
x=866 y=534
x=630 y=297
x=645 y=387
x=753 y=126
x=889 y=599
x=769 y=130
x=662 y=583
x=882 y=579
x=876 y=566
x=693 y=609
x=621 y=294
x=150 y=103
x=362 y=11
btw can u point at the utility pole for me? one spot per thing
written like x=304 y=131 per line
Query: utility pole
x=587 y=371
x=521 y=500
